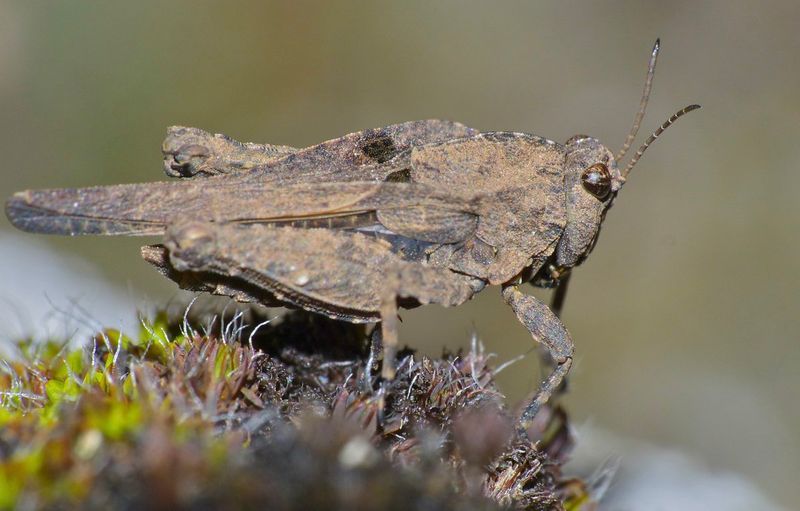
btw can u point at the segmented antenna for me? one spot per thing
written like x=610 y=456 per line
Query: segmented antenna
x=648 y=84
x=677 y=115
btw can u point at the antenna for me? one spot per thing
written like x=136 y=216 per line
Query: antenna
x=648 y=84
x=669 y=122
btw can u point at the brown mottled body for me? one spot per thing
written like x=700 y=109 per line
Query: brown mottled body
x=414 y=213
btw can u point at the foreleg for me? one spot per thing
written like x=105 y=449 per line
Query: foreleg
x=546 y=329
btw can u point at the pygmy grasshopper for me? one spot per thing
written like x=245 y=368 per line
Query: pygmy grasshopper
x=414 y=213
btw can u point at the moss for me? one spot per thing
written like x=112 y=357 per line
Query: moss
x=273 y=416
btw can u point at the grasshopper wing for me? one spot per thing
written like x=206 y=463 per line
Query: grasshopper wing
x=147 y=209
x=338 y=273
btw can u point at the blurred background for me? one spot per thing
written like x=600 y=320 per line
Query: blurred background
x=686 y=315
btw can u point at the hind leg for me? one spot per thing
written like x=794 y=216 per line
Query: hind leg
x=345 y=275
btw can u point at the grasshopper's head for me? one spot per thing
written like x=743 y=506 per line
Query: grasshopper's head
x=593 y=180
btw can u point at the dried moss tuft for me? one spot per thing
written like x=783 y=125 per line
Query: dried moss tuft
x=269 y=416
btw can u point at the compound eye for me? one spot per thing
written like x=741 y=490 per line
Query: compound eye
x=597 y=180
